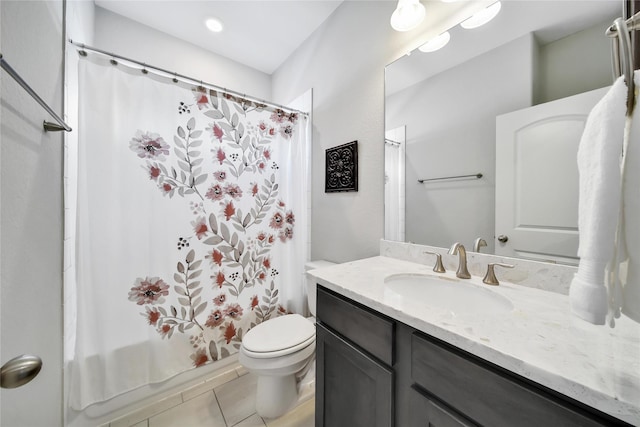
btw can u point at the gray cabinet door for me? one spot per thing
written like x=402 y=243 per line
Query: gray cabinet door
x=352 y=389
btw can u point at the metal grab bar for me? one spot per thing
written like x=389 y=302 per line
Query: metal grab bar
x=48 y=126
x=475 y=175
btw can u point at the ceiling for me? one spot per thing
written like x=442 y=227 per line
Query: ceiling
x=261 y=34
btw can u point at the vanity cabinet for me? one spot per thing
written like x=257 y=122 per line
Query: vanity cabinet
x=372 y=370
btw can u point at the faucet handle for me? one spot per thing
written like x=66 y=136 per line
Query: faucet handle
x=438 y=268
x=490 y=278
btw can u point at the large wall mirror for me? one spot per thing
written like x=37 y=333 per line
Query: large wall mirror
x=481 y=136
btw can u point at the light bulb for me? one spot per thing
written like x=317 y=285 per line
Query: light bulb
x=408 y=15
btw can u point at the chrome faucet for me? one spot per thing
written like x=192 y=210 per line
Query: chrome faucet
x=458 y=249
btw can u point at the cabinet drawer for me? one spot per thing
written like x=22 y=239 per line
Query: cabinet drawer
x=363 y=327
x=488 y=394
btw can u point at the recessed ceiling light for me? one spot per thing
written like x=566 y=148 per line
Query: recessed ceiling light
x=482 y=17
x=436 y=43
x=214 y=24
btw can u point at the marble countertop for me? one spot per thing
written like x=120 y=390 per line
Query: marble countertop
x=539 y=339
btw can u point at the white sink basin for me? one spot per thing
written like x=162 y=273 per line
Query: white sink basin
x=443 y=292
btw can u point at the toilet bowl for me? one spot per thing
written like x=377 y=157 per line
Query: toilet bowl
x=278 y=351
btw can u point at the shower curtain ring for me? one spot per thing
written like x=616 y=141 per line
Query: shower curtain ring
x=113 y=61
x=144 y=68
x=175 y=77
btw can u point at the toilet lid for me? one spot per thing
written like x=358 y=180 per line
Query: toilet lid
x=280 y=333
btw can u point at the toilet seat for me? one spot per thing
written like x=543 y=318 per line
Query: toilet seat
x=279 y=337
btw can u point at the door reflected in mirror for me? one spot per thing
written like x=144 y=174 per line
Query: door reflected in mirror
x=507 y=101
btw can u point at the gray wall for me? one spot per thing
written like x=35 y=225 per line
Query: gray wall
x=575 y=64
x=344 y=62
x=31 y=209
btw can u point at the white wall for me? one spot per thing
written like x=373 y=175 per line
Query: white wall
x=450 y=122
x=344 y=62
x=119 y=35
x=31 y=209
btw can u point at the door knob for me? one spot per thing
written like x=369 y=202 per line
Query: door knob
x=19 y=371
x=502 y=238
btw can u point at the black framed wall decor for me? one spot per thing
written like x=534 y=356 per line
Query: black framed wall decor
x=341 y=164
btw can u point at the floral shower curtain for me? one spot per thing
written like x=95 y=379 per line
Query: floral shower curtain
x=191 y=226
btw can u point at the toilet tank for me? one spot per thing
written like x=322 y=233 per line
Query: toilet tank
x=311 y=284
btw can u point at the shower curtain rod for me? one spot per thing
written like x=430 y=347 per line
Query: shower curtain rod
x=175 y=76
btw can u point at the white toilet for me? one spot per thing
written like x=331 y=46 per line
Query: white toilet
x=280 y=349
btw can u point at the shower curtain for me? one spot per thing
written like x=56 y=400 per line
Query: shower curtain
x=191 y=226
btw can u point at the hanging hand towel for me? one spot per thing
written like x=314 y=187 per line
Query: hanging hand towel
x=599 y=201
x=631 y=194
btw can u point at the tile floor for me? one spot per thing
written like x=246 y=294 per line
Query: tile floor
x=225 y=400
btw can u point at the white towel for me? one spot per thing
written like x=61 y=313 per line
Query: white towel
x=631 y=280
x=599 y=156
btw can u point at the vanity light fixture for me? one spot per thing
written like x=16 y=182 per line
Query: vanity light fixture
x=408 y=15
x=214 y=25
x=436 y=43
x=482 y=17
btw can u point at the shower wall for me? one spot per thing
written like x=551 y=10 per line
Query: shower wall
x=31 y=225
